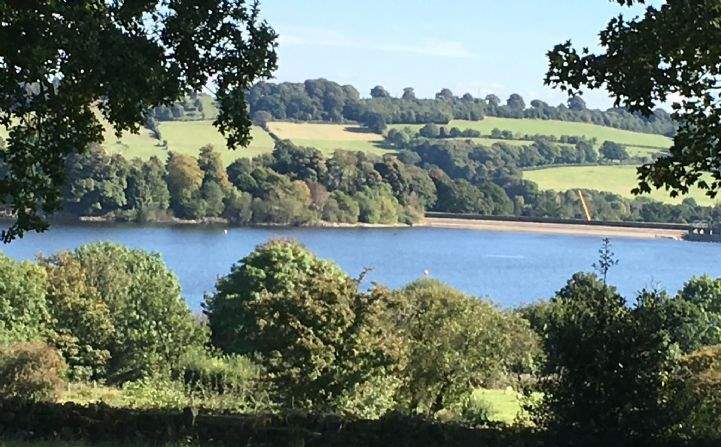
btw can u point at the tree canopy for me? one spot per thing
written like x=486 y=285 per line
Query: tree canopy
x=62 y=64
x=670 y=53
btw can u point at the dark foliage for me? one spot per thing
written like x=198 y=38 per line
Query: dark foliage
x=669 y=53
x=123 y=57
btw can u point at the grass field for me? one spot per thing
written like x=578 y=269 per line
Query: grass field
x=504 y=405
x=329 y=137
x=616 y=179
x=558 y=128
x=186 y=137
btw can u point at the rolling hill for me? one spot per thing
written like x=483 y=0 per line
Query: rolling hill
x=616 y=179
x=189 y=136
x=186 y=137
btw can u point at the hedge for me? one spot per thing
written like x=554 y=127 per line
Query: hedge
x=99 y=422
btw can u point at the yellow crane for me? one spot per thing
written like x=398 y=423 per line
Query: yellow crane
x=585 y=207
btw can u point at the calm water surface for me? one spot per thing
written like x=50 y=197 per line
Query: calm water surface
x=510 y=268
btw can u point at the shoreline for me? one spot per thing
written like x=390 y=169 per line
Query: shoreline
x=551 y=228
x=571 y=229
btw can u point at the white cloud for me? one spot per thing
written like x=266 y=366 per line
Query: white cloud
x=329 y=38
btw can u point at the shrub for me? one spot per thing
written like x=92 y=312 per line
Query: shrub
x=109 y=298
x=456 y=343
x=154 y=393
x=697 y=396
x=24 y=314
x=222 y=374
x=31 y=371
x=607 y=365
x=694 y=315
x=82 y=323
x=321 y=342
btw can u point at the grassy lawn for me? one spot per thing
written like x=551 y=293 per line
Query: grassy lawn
x=329 y=137
x=186 y=137
x=504 y=404
x=616 y=179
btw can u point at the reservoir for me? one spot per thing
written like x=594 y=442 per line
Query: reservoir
x=509 y=268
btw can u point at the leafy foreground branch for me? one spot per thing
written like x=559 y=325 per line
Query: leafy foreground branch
x=291 y=350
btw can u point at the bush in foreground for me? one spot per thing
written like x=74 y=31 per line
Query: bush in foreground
x=607 y=365
x=31 y=371
x=323 y=344
x=119 y=312
x=24 y=314
x=457 y=343
x=697 y=397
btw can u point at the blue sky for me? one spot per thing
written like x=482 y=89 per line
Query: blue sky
x=476 y=46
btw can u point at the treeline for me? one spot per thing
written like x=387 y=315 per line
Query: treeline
x=290 y=186
x=473 y=178
x=297 y=186
x=323 y=100
x=539 y=151
x=286 y=332
x=196 y=106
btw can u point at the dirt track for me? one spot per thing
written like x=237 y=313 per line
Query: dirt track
x=552 y=228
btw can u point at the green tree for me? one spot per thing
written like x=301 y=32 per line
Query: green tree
x=614 y=151
x=185 y=179
x=340 y=207
x=379 y=92
x=606 y=259
x=515 y=102
x=445 y=95
x=696 y=396
x=430 y=130
x=287 y=203
x=152 y=325
x=298 y=163
x=456 y=343
x=83 y=327
x=96 y=183
x=147 y=191
x=210 y=163
x=238 y=207
x=377 y=205
x=319 y=339
x=124 y=57
x=693 y=316
x=577 y=103
x=24 y=314
x=408 y=93
x=606 y=367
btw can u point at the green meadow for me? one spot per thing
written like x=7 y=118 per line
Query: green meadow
x=559 y=128
x=186 y=137
x=616 y=179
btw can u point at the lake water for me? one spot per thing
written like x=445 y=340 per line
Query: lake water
x=510 y=268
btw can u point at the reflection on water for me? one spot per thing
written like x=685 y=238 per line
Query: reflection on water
x=510 y=268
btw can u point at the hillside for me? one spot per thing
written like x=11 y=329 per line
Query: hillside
x=186 y=137
x=189 y=136
x=616 y=179
x=637 y=142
